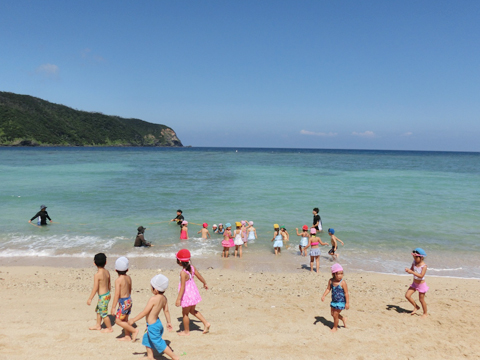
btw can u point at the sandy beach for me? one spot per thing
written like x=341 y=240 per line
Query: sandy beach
x=254 y=315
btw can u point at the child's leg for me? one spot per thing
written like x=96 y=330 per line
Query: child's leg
x=408 y=296
x=342 y=318
x=311 y=263
x=276 y=251
x=149 y=353
x=241 y=249
x=186 y=321
x=167 y=351
x=317 y=261
x=130 y=332
x=98 y=325
x=335 y=314
x=421 y=298
x=200 y=317
x=236 y=250
x=108 y=324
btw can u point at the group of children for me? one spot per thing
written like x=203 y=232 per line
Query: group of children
x=188 y=297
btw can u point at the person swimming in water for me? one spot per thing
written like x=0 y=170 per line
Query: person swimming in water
x=43 y=216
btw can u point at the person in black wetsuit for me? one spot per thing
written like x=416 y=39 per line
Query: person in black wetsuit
x=179 y=219
x=317 y=221
x=43 y=216
x=140 y=239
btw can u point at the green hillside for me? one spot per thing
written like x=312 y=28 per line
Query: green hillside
x=29 y=121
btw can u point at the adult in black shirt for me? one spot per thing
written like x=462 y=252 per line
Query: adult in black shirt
x=43 y=216
x=140 y=239
x=179 y=218
x=317 y=221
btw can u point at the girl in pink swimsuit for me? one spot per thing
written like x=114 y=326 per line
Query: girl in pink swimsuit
x=188 y=294
x=418 y=270
x=184 y=231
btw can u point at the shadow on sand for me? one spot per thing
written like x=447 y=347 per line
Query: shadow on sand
x=398 y=309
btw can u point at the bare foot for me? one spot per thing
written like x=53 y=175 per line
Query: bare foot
x=344 y=320
x=415 y=310
x=106 y=330
x=424 y=316
x=134 y=335
x=96 y=327
x=183 y=333
x=334 y=329
x=207 y=329
x=125 y=338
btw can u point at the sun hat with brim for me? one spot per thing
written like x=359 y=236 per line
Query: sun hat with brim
x=304 y=227
x=159 y=282
x=122 y=264
x=184 y=222
x=227 y=225
x=183 y=255
x=419 y=252
x=331 y=231
x=336 y=268
x=238 y=224
x=42 y=207
x=141 y=229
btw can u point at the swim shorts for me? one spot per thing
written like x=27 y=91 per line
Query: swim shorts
x=332 y=251
x=102 y=305
x=124 y=307
x=153 y=337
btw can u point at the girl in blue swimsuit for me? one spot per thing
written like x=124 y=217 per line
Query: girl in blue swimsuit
x=340 y=298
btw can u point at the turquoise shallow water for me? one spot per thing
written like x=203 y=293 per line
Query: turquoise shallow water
x=382 y=204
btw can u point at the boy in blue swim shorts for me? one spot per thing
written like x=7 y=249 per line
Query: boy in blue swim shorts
x=101 y=286
x=153 y=335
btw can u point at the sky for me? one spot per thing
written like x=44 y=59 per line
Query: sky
x=399 y=75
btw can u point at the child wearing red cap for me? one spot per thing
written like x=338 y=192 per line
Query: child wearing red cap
x=204 y=231
x=303 y=240
x=188 y=294
x=340 y=297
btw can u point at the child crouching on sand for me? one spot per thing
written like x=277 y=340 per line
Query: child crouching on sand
x=340 y=298
x=152 y=339
x=101 y=285
x=418 y=270
x=188 y=295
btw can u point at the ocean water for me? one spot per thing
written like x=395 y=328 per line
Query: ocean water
x=382 y=204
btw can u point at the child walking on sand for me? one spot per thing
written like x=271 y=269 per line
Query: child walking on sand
x=101 y=286
x=204 y=231
x=238 y=239
x=418 y=270
x=227 y=242
x=123 y=291
x=277 y=239
x=340 y=298
x=184 y=231
x=152 y=339
x=188 y=294
x=303 y=240
x=334 y=240
x=313 y=243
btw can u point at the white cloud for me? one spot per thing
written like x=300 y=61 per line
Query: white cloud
x=48 y=70
x=329 y=134
x=407 y=134
x=366 y=134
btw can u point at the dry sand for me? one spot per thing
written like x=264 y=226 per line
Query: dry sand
x=254 y=315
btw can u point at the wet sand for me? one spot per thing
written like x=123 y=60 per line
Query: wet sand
x=254 y=315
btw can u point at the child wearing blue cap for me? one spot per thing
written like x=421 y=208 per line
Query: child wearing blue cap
x=418 y=270
x=334 y=240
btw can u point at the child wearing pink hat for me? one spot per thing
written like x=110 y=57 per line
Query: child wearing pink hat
x=184 y=231
x=188 y=294
x=340 y=298
x=204 y=231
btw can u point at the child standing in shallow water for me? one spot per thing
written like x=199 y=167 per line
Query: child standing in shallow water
x=184 y=231
x=340 y=298
x=188 y=294
x=123 y=291
x=227 y=242
x=303 y=240
x=101 y=285
x=238 y=239
x=418 y=270
x=158 y=302
x=204 y=231
x=334 y=239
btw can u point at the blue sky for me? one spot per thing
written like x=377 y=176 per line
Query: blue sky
x=310 y=74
